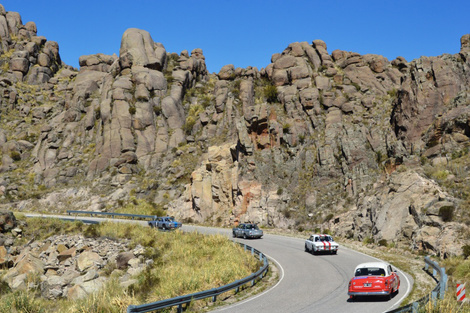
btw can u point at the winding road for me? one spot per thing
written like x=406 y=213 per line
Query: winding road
x=307 y=283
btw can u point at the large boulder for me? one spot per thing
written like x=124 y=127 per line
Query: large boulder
x=88 y=259
x=138 y=48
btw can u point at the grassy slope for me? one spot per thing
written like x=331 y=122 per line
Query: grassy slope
x=183 y=263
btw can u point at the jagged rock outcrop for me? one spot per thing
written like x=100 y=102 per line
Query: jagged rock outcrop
x=296 y=144
x=404 y=209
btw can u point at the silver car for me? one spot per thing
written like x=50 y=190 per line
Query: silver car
x=247 y=230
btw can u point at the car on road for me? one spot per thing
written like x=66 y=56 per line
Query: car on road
x=374 y=279
x=165 y=223
x=247 y=230
x=321 y=243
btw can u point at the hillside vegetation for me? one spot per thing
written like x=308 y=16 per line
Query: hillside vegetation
x=181 y=263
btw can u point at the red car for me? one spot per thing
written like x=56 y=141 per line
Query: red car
x=374 y=279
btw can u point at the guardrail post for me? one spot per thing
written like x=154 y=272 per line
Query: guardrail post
x=434 y=297
x=252 y=251
x=214 y=298
x=180 y=308
x=443 y=284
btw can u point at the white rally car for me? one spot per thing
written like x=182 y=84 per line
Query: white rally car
x=317 y=243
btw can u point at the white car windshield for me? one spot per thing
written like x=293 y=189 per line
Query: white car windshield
x=370 y=271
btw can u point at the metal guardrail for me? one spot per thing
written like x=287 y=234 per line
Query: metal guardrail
x=112 y=214
x=439 y=290
x=179 y=301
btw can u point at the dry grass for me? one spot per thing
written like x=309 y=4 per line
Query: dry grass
x=184 y=263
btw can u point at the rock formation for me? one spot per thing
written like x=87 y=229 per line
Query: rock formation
x=70 y=266
x=314 y=140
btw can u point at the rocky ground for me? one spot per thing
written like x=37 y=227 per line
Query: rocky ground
x=70 y=266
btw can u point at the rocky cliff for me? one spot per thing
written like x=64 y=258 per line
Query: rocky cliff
x=368 y=148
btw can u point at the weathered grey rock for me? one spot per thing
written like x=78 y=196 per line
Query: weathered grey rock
x=123 y=258
x=20 y=65
x=76 y=292
x=227 y=72
x=88 y=259
x=140 y=50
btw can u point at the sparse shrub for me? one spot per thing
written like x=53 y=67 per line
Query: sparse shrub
x=157 y=110
x=423 y=160
x=286 y=127
x=97 y=113
x=328 y=217
x=15 y=155
x=236 y=89
x=379 y=157
x=279 y=191
x=21 y=301
x=300 y=229
x=286 y=213
x=132 y=110
x=466 y=251
x=368 y=240
x=188 y=220
x=356 y=85
x=393 y=93
x=188 y=126
x=91 y=231
x=441 y=174
x=446 y=213
x=322 y=68
x=383 y=243
x=270 y=93
x=4 y=288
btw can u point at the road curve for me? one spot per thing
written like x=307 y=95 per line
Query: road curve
x=308 y=283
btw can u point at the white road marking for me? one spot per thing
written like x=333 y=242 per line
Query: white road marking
x=261 y=294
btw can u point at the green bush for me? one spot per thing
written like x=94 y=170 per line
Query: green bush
x=328 y=217
x=383 y=243
x=132 y=110
x=270 y=93
x=15 y=155
x=368 y=240
x=286 y=128
x=466 y=251
x=446 y=213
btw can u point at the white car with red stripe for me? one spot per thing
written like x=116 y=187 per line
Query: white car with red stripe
x=321 y=243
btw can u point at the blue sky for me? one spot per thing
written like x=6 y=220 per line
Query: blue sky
x=247 y=33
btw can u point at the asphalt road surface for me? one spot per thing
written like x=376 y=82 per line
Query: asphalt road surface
x=307 y=283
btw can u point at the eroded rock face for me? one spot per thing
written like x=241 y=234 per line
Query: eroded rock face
x=404 y=210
